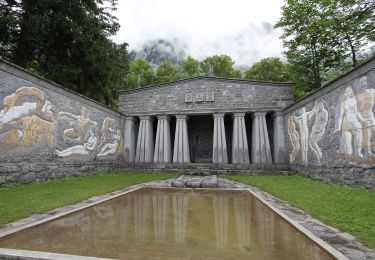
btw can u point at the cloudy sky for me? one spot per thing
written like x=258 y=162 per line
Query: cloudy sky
x=239 y=28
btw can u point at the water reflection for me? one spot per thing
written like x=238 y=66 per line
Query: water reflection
x=141 y=203
x=180 y=206
x=165 y=223
x=220 y=206
x=160 y=212
x=242 y=211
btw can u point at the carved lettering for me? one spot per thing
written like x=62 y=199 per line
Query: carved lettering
x=189 y=98
x=200 y=97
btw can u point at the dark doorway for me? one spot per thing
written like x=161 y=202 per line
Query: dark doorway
x=228 y=124
x=270 y=130
x=201 y=130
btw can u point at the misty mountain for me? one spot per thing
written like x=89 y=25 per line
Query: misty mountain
x=246 y=46
x=157 y=51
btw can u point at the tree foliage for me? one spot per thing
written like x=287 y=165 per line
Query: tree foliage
x=189 y=68
x=219 y=66
x=166 y=72
x=67 y=42
x=321 y=34
x=272 y=69
x=140 y=74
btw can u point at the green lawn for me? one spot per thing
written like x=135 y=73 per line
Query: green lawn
x=20 y=201
x=349 y=209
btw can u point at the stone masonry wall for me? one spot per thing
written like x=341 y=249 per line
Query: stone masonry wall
x=206 y=95
x=331 y=133
x=47 y=131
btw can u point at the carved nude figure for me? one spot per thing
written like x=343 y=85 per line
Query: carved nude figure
x=349 y=123
x=294 y=138
x=301 y=121
x=111 y=148
x=318 y=129
x=24 y=103
x=366 y=100
x=80 y=150
x=79 y=124
x=108 y=130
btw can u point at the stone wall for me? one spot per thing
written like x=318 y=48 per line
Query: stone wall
x=331 y=132
x=47 y=131
x=206 y=95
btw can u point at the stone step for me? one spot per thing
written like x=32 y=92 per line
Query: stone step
x=186 y=181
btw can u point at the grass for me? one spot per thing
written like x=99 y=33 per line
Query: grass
x=349 y=209
x=17 y=202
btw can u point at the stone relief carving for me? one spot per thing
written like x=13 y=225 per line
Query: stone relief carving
x=79 y=124
x=294 y=139
x=301 y=121
x=366 y=101
x=355 y=121
x=80 y=150
x=111 y=138
x=318 y=130
x=27 y=118
x=306 y=138
x=83 y=131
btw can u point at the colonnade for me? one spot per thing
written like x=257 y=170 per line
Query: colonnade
x=148 y=150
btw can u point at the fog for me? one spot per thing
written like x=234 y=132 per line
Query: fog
x=239 y=28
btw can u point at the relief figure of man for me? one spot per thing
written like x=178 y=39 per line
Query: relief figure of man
x=301 y=121
x=349 y=123
x=366 y=100
x=79 y=124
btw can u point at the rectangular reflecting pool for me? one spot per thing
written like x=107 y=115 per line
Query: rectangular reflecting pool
x=155 y=223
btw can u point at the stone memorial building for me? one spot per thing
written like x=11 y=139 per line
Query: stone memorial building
x=201 y=125
x=206 y=120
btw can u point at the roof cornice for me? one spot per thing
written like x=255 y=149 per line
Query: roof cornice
x=207 y=78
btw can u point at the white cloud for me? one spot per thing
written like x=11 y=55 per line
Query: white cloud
x=207 y=27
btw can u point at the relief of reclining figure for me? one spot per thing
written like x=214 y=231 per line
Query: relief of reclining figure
x=28 y=111
x=111 y=138
x=80 y=150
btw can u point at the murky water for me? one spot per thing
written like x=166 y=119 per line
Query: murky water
x=172 y=224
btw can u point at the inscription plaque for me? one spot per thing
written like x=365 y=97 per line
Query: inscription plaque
x=200 y=97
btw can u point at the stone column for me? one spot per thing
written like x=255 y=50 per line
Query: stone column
x=240 y=150
x=279 y=152
x=181 y=152
x=219 y=154
x=145 y=142
x=163 y=153
x=129 y=144
x=260 y=144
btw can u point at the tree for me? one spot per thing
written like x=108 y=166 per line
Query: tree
x=10 y=15
x=189 y=68
x=140 y=74
x=320 y=35
x=68 y=42
x=272 y=69
x=219 y=66
x=353 y=22
x=166 y=72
